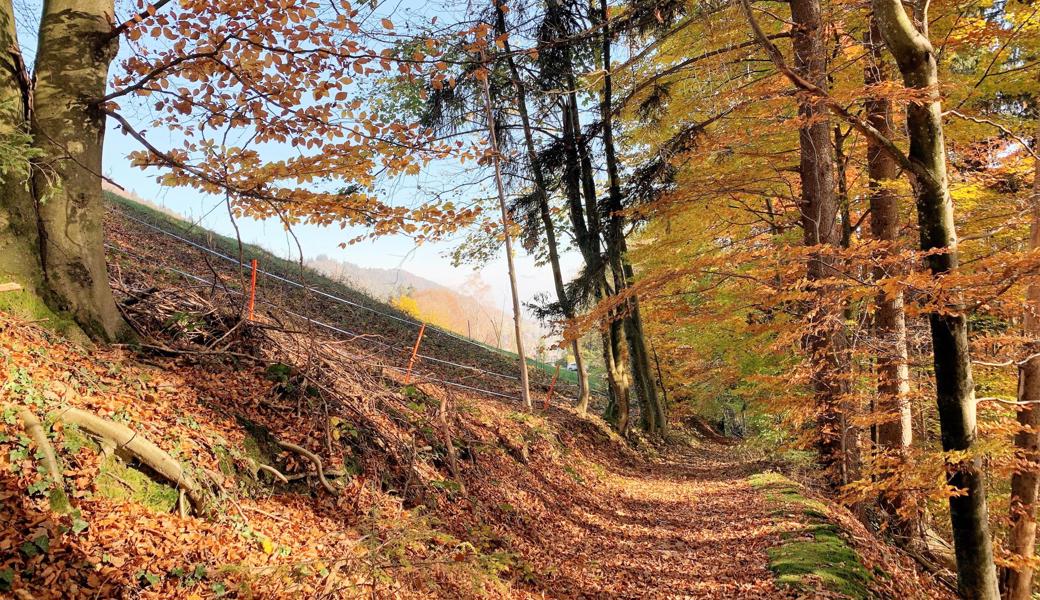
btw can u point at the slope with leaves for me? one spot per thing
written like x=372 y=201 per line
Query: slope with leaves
x=432 y=493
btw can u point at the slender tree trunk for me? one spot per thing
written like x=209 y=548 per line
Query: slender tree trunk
x=955 y=394
x=652 y=415
x=1025 y=481
x=820 y=226
x=895 y=432
x=525 y=389
x=543 y=207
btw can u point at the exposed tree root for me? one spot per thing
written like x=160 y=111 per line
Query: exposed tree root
x=136 y=445
x=273 y=472
x=317 y=464
x=328 y=475
x=34 y=429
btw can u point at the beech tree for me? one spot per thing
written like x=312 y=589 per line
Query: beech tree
x=895 y=432
x=1026 y=481
x=955 y=391
x=231 y=79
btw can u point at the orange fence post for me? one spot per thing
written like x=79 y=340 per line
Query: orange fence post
x=252 y=289
x=415 y=351
x=552 y=386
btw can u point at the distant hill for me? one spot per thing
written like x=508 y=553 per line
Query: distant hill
x=384 y=284
x=433 y=302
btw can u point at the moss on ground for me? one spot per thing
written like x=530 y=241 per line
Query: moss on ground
x=118 y=481
x=29 y=306
x=815 y=555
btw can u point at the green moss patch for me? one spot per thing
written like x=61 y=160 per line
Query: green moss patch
x=29 y=306
x=119 y=481
x=815 y=555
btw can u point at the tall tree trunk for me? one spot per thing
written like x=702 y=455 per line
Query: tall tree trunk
x=525 y=389
x=652 y=414
x=1025 y=481
x=543 y=208
x=19 y=251
x=584 y=212
x=895 y=432
x=820 y=226
x=72 y=60
x=955 y=394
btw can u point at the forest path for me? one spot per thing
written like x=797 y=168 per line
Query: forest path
x=686 y=526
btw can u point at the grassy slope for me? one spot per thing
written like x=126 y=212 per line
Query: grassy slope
x=296 y=272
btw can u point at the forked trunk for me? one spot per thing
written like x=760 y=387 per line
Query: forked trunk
x=51 y=223
x=652 y=413
x=581 y=196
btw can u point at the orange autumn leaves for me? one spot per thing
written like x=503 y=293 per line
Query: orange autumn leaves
x=265 y=103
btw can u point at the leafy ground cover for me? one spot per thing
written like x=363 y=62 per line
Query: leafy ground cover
x=425 y=491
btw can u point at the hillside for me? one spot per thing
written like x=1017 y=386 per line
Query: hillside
x=141 y=234
x=455 y=310
x=309 y=467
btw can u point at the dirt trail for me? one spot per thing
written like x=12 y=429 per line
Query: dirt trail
x=691 y=527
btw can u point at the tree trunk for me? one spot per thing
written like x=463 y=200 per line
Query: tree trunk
x=895 y=432
x=525 y=388
x=820 y=226
x=1025 y=481
x=617 y=411
x=652 y=414
x=19 y=253
x=543 y=208
x=955 y=394
x=72 y=63
x=581 y=195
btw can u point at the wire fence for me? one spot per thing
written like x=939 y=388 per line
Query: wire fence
x=335 y=329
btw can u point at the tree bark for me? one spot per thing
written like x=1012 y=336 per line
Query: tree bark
x=955 y=395
x=895 y=432
x=1026 y=480
x=652 y=414
x=543 y=207
x=525 y=389
x=820 y=226
x=19 y=253
x=74 y=53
